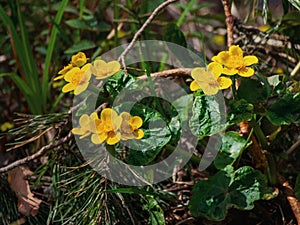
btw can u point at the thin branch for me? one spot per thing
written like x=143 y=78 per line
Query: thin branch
x=290 y=196
x=140 y=31
x=36 y=155
x=293 y=147
x=172 y=72
x=229 y=22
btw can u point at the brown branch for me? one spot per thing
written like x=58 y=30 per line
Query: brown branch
x=36 y=155
x=229 y=22
x=140 y=31
x=290 y=196
x=172 y=72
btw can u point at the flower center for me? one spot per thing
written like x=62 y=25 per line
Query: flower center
x=127 y=128
x=77 y=78
x=236 y=62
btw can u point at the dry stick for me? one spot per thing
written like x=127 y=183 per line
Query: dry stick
x=140 y=31
x=293 y=147
x=229 y=22
x=172 y=72
x=36 y=155
x=290 y=196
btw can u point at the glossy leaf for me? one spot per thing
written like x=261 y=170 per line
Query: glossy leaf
x=232 y=147
x=252 y=91
x=226 y=189
x=239 y=110
x=207 y=116
x=285 y=111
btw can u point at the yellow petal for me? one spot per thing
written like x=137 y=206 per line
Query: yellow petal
x=229 y=71
x=84 y=120
x=125 y=136
x=210 y=89
x=114 y=139
x=224 y=82
x=139 y=134
x=125 y=116
x=59 y=77
x=97 y=68
x=68 y=87
x=223 y=58
x=98 y=138
x=86 y=67
x=136 y=122
x=215 y=68
x=250 y=59
x=196 y=72
x=194 y=86
x=65 y=69
x=79 y=59
x=78 y=131
x=69 y=75
x=117 y=121
x=113 y=67
x=94 y=116
x=236 y=51
x=246 y=72
x=108 y=114
x=80 y=88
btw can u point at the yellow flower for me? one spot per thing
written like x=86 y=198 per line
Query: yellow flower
x=130 y=127
x=102 y=70
x=87 y=125
x=235 y=63
x=209 y=80
x=219 y=39
x=64 y=71
x=79 y=59
x=264 y=28
x=107 y=128
x=78 y=79
x=6 y=126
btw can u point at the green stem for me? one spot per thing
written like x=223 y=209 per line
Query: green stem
x=233 y=87
x=271 y=166
x=259 y=133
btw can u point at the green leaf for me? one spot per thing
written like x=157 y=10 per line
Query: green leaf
x=232 y=147
x=50 y=49
x=173 y=34
x=252 y=90
x=157 y=135
x=295 y=3
x=114 y=85
x=77 y=24
x=226 y=189
x=155 y=211
x=285 y=111
x=239 y=110
x=80 y=46
x=207 y=117
x=149 y=6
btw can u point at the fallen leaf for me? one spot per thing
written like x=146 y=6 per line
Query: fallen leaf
x=27 y=204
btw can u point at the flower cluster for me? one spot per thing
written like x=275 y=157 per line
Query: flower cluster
x=78 y=72
x=229 y=62
x=110 y=127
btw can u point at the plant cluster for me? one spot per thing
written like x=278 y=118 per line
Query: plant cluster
x=237 y=115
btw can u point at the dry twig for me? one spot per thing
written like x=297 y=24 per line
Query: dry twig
x=229 y=22
x=36 y=155
x=172 y=72
x=140 y=31
x=290 y=196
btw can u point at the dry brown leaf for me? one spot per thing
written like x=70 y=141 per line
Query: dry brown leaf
x=27 y=204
